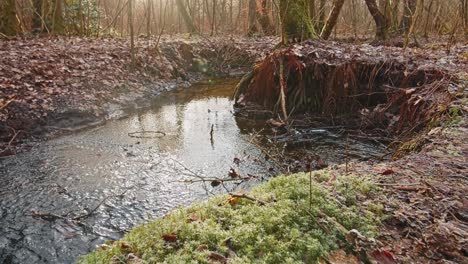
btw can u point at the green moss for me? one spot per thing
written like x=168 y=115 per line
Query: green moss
x=289 y=229
x=296 y=22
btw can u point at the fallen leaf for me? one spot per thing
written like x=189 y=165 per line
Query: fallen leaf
x=217 y=257
x=387 y=172
x=383 y=257
x=193 y=217
x=233 y=200
x=215 y=183
x=170 y=238
x=233 y=173
x=202 y=247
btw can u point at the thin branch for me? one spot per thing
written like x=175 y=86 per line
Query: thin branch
x=245 y=196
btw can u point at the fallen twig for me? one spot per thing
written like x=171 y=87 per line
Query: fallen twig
x=245 y=196
x=7 y=102
x=141 y=134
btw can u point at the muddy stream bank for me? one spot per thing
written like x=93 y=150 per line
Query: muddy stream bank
x=112 y=178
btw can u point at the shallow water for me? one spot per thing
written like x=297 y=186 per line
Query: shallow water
x=136 y=179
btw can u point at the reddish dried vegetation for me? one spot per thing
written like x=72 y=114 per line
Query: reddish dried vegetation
x=333 y=79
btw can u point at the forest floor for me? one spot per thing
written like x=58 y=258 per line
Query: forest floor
x=54 y=85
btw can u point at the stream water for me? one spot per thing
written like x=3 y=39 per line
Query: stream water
x=126 y=179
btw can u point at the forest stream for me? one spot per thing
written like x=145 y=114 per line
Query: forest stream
x=128 y=171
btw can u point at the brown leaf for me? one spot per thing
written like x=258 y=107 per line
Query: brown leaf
x=170 y=238
x=215 y=183
x=215 y=257
x=202 y=247
x=193 y=217
x=233 y=173
x=387 y=172
x=340 y=257
x=383 y=257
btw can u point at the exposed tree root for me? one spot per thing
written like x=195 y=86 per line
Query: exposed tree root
x=379 y=87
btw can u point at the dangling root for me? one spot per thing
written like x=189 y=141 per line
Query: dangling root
x=329 y=81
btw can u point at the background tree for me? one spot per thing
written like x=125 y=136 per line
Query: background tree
x=58 y=26
x=408 y=13
x=37 y=26
x=8 y=22
x=252 y=18
x=332 y=19
x=264 y=19
x=381 y=22
x=186 y=16
x=295 y=21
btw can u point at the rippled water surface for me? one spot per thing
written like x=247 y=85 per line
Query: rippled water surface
x=129 y=179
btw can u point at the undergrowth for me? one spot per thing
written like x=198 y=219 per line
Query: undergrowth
x=291 y=228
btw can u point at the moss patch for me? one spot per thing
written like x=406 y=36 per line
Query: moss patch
x=293 y=227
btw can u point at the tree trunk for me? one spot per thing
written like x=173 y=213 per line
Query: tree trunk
x=295 y=21
x=409 y=9
x=8 y=23
x=148 y=19
x=264 y=19
x=321 y=16
x=58 y=26
x=37 y=16
x=394 y=14
x=331 y=22
x=464 y=14
x=380 y=20
x=132 y=33
x=312 y=12
x=186 y=16
x=213 y=26
x=252 y=21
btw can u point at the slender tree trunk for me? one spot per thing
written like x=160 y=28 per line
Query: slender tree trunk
x=379 y=19
x=264 y=18
x=37 y=16
x=8 y=22
x=132 y=33
x=58 y=26
x=252 y=21
x=312 y=12
x=426 y=24
x=213 y=25
x=394 y=14
x=148 y=18
x=295 y=20
x=186 y=16
x=331 y=22
x=321 y=15
x=464 y=14
x=409 y=10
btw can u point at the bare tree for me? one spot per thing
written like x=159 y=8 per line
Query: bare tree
x=8 y=22
x=381 y=22
x=252 y=20
x=186 y=16
x=132 y=33
x=408 y=13
x=332 y=19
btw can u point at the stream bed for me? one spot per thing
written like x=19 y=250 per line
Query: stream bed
x=123 y=177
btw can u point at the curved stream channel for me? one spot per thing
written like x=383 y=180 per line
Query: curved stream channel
x=127 y=180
